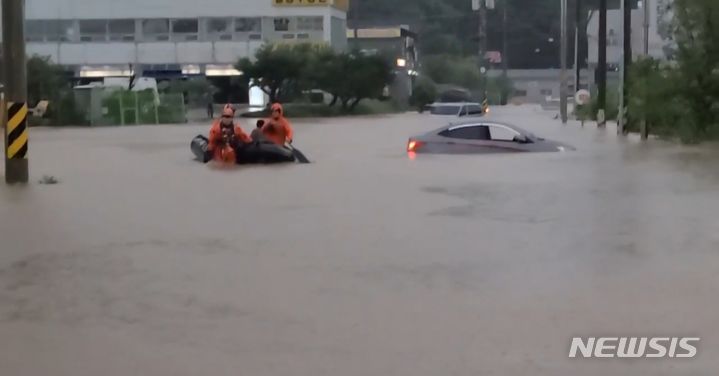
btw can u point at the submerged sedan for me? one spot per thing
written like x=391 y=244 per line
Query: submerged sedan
x=480 y=137
x=458 y=109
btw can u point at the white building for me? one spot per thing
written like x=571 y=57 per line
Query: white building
x=97 y=38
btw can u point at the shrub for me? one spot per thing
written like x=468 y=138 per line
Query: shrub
x=424 y=93
x=590 y=111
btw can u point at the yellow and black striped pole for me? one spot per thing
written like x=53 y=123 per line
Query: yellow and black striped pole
x=15 y=77
x=16 y=131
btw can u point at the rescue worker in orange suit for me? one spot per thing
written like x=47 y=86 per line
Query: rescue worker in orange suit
x=277 y=128
x=226 y=137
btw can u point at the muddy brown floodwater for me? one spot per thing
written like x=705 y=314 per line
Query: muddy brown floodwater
x=366 y=262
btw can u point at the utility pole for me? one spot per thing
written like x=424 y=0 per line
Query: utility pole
x=563 y=90
x=626 y=63
x=622 y=73
x=647 y=16
x=577 y=29
x=505 y=50
x=16 y=135
x=483 y=38
x=481 y=7
x=644 y=130
x=602 y=65
x=356 y=17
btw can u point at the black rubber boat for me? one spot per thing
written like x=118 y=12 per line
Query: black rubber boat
x=254 y=153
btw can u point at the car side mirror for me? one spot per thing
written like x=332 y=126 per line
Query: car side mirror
x=521 y=139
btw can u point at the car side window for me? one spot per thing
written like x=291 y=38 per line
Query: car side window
x=477 y=132
x=474 y=110
x=445 y=110
x=502 y=134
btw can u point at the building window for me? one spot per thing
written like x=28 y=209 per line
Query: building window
x=156 y=30
x=310 y=23
x=185 y=29
x=219 y=28
x=122 y=30
x=546 y=92
x=612 y=39
x=93 y=30
x=282 y=24
x=35 y=31
x=60 y=31
x=248 y=25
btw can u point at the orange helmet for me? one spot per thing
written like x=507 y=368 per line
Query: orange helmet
x=228 y=110
x=277 y=107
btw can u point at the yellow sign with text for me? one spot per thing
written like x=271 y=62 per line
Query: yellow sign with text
x=339 y=4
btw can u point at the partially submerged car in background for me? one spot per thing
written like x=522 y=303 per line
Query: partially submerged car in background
x=457 y=109
x=481 y=137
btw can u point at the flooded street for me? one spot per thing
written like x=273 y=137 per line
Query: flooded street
x=366 y=262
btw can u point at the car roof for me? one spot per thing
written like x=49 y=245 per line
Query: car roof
x=489 y=122
x=455 y=104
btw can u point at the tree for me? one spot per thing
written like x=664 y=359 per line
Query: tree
x=357 y=77
x=696 y=33
x=458 y=71
x=276 y=67
x=451 y=27
x=351 y=77
x=327 y=72
x=45 y=80
x=48 y=81
x=681 y=98
x=424 y=93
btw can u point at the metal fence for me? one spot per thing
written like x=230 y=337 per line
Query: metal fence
x=101 y=106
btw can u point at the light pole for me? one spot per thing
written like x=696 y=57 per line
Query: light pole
x=644 y=130
x=563 y=90
x=505 y=51
x=577 y=27
x=626 y=60
x=602 y=65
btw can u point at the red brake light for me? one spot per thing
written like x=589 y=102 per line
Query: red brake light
x=414 y=145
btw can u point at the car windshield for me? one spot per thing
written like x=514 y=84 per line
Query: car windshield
x=444 y=110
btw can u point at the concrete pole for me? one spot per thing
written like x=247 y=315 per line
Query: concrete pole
x=505 y=49
x=356 y=16
x=577 y=27
x=563 y=90
x=622 y=72
x=483 y=42
x=16 y=139
x=602 y=64
x=647 y=15
x=643 y=128
x=627 y=61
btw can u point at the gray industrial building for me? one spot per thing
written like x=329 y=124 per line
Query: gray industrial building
x=99 y=38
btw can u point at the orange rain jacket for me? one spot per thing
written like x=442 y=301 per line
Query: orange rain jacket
x=279 y=130
x=222 y=151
